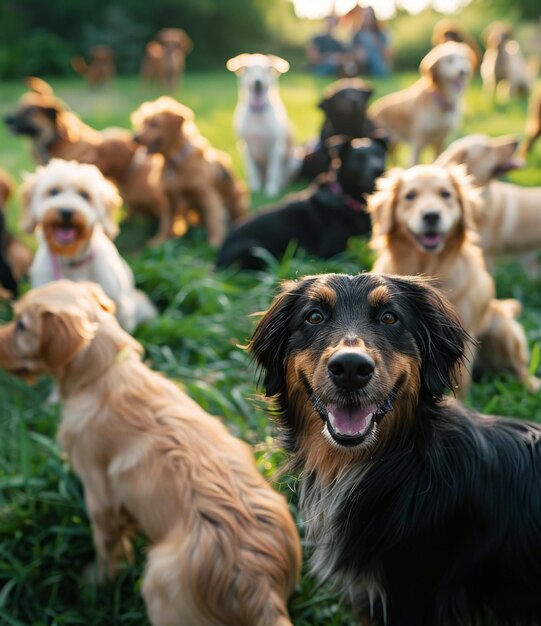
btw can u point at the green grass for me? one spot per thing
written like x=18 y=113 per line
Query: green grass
x=204 y=316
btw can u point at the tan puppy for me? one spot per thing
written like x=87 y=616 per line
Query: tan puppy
x=176 y=45
x=508 y=220
x=194 y=174
x=423 y=224
x=152 y=65
x=101 y=68
x=225 y=550
x=54 y=130
x=448 y=29
x=137 y=175
x=425 y=113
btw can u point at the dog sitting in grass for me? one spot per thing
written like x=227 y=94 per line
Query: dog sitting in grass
x=321 y=219
x=224 y=547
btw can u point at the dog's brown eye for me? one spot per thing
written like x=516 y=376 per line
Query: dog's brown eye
x=84 y=194
x=445 y=194
x=389 y=318
x=410 y=195
x=314 y=317
x=54 y=191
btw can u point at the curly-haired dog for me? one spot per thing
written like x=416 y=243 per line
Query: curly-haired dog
x=137 y=175
x=194 y=173
x=422 y=223
x=322 y=219
x=74 y=205
x=425 y=113
x=54 y=130
x=15 y=256
x=261 y=122
x=344 y=105
x=508 y=219
x=422 y=511
x=224 y=547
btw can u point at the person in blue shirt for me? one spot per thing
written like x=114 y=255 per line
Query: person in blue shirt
x=325 y=52
x=370 y=45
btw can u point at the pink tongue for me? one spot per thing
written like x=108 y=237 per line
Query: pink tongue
x=430 y=240
x=350 y=421
x=65 y=235
x=257 y=100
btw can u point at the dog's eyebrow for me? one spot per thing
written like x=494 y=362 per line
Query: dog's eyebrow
x=323 y=293
x=378 y=296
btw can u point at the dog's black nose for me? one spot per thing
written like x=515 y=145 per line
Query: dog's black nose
x=258 y=85
x=65 y=214
x=431 y=218
x=137 y=138
x=351 y=369
x=9 y=119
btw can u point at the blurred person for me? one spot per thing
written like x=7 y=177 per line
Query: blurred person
x=370 y=44
x=325 y=52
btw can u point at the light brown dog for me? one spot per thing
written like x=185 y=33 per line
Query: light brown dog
x=504 y=69
x=448 y=29
x=176 y=45
x=533 y=123
x=225 y=550
x=423 y=224
x=101 y=68
x=508 y=219
x=194 y=174
x=425 y=113
x=54 y=130
x=137 y=175
x=153 y=64
x=15 y=256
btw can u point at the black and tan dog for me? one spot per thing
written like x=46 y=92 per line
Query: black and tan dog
x=344 y=105
x=423 y=512
x=321 y=219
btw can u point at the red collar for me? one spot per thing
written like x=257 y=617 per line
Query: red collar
x=356 y=205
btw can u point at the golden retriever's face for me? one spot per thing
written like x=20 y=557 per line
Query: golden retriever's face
x=51 y=325
x=449 y=65
x=485 y=158
x=428 y=208
x=67 y=199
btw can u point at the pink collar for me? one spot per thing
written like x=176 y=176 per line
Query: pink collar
x=441 y=101
x=356 y=205
x=74 y=263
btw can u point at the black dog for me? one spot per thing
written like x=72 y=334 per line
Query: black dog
x=344 y=105
x=322 y=220
x=418 y=507
x=7 y=280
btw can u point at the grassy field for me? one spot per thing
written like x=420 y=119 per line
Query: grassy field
x=204 y=316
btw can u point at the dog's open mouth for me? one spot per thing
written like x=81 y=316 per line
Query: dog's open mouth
x=350 y=425
x=509 y=166
x=430 y=240
x=65 y=235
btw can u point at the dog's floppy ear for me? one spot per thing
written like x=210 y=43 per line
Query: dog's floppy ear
x=429 y=64
x=39 y=86
x=237 y=64
x=451 y=156
x=269 y=342
x=28 y=188
x=381 y=206
x=279 y=65
x=469 y=196
x=438 y=333
x=100 y=296
x=63 y=335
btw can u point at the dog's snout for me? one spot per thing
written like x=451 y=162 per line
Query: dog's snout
x=137 y=138
x=431 y=218
x=65 y=214
x=258 y=86
x=351 y=369
x=9 y=119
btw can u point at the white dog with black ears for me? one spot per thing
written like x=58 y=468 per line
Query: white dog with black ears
x=261 y=122
x=72 y=207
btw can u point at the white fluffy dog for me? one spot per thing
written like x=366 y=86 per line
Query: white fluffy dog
x=261 y=122
x=72 y=206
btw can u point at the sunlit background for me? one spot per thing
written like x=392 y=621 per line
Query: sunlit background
x=384 y=8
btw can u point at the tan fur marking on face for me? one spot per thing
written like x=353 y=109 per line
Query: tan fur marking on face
x=322 y=293
x=378 y=296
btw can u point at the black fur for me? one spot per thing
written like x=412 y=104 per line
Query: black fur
x=7 y=279
x=344 y=105
x=447 y=512
x=320 y=220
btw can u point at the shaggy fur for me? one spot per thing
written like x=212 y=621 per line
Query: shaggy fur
x=15 y=256
x=425 y=113
x=73 y=207
x=194 y=173
x=422 y=223
x=421 y=511
x=261 y=122
x=320 y=220
x=224 y=548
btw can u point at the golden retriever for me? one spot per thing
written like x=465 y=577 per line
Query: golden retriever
x=425 y=113
x=422 y=223
x=508 y=219
x=225 y=550
x=194 y=173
